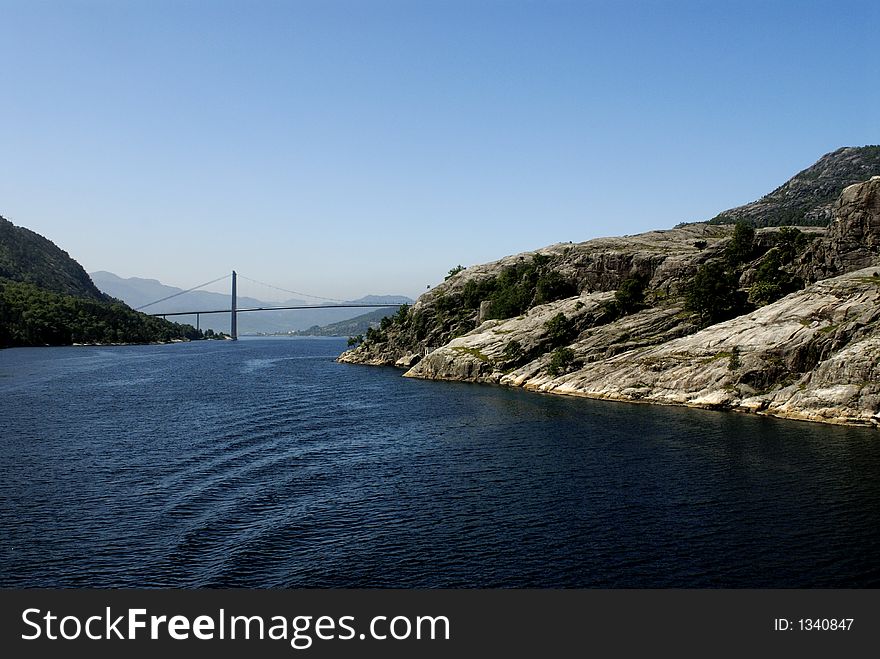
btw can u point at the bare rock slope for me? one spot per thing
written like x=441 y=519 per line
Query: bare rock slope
x=813 y=354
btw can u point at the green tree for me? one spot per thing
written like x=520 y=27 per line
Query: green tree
x=401 y=316
x=742 y=244
x=771 y=281
x=713 y=293
x=630 y=296
x=513 y=352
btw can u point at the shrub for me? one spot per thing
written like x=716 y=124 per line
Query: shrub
x=771 y=281
x=734 y=362
x=401 y=315
x=513 y=352
x=560 y=329
x=552 y=286
x=454 y=271
x=560 y=361
x=630 y=296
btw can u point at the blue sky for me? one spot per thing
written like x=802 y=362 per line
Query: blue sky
x=345 y=148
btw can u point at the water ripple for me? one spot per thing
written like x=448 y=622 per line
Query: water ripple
x=266 y=464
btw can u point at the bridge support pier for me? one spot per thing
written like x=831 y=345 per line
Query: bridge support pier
x=233 y=323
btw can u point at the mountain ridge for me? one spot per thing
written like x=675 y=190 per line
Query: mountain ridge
x=28 y=257
x=807 y=198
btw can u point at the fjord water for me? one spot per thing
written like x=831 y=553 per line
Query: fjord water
x=264 y=463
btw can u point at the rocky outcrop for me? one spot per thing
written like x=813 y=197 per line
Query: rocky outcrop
x=811 y=355
x=855 y=232
x=853 y=239
x=665 y=259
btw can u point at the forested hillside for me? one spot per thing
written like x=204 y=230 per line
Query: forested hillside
x=46 y=298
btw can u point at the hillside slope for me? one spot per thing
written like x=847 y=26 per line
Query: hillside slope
x=807 y=198
x=351 y=327
x=28 y=257
x=46 y=298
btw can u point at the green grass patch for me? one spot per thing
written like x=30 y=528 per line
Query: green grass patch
x=473 y=352
x=716 y=357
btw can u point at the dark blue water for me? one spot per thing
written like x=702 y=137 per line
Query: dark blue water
x=264 y=463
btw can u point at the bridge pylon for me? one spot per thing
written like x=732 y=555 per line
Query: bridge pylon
x=233 y=322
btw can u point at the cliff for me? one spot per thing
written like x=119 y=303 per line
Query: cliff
x=776 y=321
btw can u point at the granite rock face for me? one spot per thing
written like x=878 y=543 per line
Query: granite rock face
x=855 y=232
x=665 y=259
x=813 y=354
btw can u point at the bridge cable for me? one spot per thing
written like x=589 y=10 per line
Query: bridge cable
x=189 y=290
x=278 y=288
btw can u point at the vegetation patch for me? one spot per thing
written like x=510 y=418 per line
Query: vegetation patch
x=718 y=355
x=473 y=352
x=714 y=295
x=454 y=271
x=33 y=316
x=560 y=329
x=734 y=362
x=513 y=352
x=629 y=297
x=561 y=361
x=517 y=288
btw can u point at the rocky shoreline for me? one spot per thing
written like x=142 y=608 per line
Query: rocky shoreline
x=812 y=355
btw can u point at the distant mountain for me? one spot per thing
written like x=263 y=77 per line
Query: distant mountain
x=352 y=327
x=807 y=198
x=137 y=291
x=28 y=257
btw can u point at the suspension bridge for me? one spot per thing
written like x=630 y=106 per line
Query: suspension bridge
x=234 y=310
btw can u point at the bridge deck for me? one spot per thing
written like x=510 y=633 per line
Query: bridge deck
x=306 y=306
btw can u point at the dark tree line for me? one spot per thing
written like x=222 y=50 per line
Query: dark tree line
x=32 y=316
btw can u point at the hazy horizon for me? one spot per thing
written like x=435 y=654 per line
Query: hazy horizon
x=343 y=149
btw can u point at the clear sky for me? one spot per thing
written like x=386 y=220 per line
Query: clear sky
x=350 y=147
